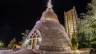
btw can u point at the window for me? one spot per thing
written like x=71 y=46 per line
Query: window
x=30 y=41
x=36 y=38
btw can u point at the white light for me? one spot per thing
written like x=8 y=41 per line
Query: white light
x=40 y=39
x=26 y=41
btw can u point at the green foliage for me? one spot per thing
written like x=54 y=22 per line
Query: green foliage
x=91 y=7
x=12 y=44
x=87 y=26
x=74 y=42
x=2 y=45
x=24 y=36
x=86 y=30
x=85 y=45
x=93 y=43
x=13 y=41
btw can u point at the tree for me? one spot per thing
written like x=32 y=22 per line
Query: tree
x=87 y=26
x=74 y=42
x=91 y=8
x=24 y=36
x=85 y=30
x=2 y=45
x=12 y=44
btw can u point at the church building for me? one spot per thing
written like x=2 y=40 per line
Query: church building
x=48 y=36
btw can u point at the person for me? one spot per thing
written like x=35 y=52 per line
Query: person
x=92 y=51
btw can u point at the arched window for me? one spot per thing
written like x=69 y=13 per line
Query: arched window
x=33 y=41
x=36 y=38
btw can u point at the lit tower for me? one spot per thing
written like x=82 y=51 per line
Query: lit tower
x=71 y=22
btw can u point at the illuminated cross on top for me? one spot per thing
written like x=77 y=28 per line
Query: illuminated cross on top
x=49 y=5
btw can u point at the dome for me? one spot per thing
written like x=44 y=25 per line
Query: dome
x=54 y=37
x=49 y=15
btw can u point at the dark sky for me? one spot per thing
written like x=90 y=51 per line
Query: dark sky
x=18 y=15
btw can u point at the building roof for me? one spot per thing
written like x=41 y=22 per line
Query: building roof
x=49 y=15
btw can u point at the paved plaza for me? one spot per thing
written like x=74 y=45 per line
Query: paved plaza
x=6 y=51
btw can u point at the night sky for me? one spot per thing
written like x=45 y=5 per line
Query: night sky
x=16 y=16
